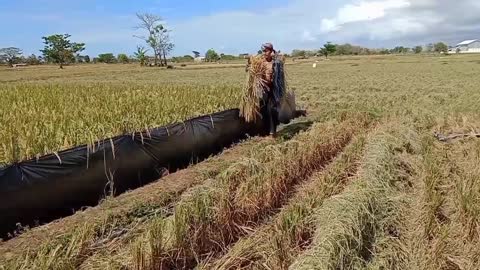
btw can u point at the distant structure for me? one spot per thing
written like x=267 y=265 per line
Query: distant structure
x=467 y=46
x=19 y=65
x=199 y=59
x=243 y=55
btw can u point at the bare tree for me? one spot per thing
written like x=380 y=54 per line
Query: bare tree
x=158 y=36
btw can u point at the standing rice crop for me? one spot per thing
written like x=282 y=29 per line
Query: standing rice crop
x=43 y=118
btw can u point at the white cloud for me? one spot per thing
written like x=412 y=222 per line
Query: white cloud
x=329 y=25
x=307 y=36
x=362 y=11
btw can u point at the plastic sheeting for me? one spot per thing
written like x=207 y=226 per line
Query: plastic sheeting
x=58 y=184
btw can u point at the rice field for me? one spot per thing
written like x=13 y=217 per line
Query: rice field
x=41 y=118
x=366 y=186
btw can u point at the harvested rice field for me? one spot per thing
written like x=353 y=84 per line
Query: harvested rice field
x=369 y=179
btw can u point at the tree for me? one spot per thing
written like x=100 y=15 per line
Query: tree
x=418 y=49
x=59 y=49
x=328 y=49
x=440 y=47
x=33 y=60
x=80 y=59
x=123 y=58
x=228 y=57
x=167 y=48
x=106 y=58
x=141 y=55
x=86 y=59
x=10 y=55
x=399 y=49
x=429 y=47
x=158 y=36
x=196 y=54
x=259 y=52
x=211 y=56
x=345 y=49
x=40 y=59
x=298 y=53
x=385 y=51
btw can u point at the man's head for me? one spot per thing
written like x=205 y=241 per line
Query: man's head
x=268 y=50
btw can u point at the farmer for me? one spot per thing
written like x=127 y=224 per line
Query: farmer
x=268 y=103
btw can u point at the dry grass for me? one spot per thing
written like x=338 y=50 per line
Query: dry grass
x=253 y=90
x=351 y=225
x=442 y=232
x=212 y=216
x=276 y=244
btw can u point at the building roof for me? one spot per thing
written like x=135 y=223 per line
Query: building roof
x=467 y=42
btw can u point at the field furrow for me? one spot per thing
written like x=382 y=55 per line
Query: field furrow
x=212 y=217
x=275 y=244
x=352 y=226
x=442 y=222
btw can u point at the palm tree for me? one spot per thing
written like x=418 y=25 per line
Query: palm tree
x=141 y=54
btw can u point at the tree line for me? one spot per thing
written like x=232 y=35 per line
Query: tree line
x=349 y=49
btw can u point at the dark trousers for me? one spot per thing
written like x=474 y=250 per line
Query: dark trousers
x=269 y=111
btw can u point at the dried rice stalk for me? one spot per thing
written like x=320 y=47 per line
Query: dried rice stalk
x=250 y=104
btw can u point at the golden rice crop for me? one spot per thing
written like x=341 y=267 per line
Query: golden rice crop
x=250 y=103
x=40 y=118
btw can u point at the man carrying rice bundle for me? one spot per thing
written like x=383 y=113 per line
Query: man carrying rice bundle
x=268 y=103
x=265 y=88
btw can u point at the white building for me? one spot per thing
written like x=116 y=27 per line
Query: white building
x=467 y=46
x=199 y=59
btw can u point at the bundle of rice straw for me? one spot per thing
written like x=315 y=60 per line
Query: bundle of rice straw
x=253 y=90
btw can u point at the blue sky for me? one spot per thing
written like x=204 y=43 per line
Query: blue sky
x=240 y=26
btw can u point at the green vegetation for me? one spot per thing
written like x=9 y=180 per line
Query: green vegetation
x=123 y=58
x=440 y=47
x=141 y=55
x=211 y=56
x=418 y=49
x=59 y=49
x=328 y=49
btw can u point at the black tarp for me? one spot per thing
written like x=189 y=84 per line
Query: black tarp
x=58 y=184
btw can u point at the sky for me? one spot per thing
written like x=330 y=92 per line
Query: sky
x=240 y=26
